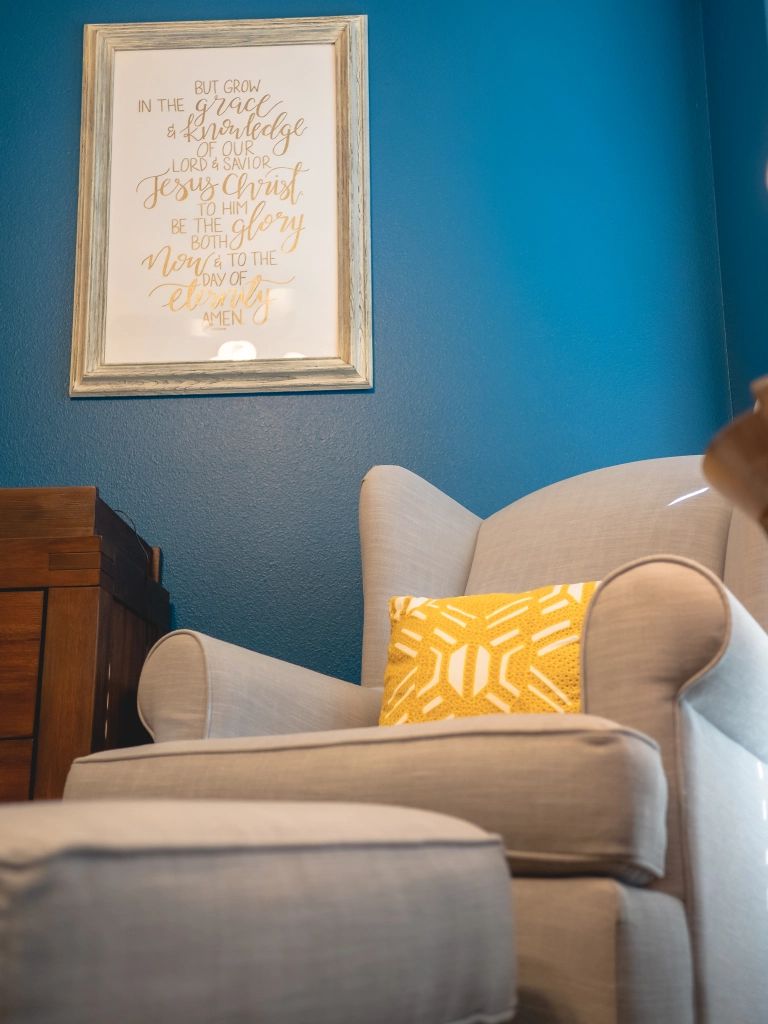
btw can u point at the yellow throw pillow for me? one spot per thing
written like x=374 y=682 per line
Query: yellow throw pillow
x=484 y=655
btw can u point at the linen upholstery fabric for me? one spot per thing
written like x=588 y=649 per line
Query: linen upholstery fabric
x=680 y=672
x=568 y=794
x=144 y=913
x=727 y=787
x=724 y=728
x=480 y=654
x=584 y=527
x=414 y=540
x=692 y=672
x=195 y=687
x=592 y=951
x=637 y=654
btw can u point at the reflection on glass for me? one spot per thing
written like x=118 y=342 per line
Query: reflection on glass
x=235 y=350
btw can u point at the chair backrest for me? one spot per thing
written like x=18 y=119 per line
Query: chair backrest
x=416 y=540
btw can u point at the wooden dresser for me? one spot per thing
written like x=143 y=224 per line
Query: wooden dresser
x=80 y=606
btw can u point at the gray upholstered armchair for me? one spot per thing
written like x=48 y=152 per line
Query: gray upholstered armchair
x=636 y=832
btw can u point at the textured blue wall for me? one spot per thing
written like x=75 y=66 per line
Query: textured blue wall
x=546 y=298
x=737 y=79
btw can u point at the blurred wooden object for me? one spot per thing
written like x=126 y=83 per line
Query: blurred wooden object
x=80 y=605
x=736 y=461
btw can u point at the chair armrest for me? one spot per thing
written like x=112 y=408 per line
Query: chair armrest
x=732 y=692
x=663 y=634
x=195 y=687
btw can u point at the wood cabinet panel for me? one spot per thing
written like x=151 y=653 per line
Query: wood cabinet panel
x=47 y=511
x=74 y=560
x=27 y=562
x=81 y=603
x=131 y=638
x=21 y=623
x=68 y=686
x=15 y=769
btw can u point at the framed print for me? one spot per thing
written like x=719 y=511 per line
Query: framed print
x=223 y=225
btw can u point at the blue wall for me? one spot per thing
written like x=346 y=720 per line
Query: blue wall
x=546 y=298
x=737 y=78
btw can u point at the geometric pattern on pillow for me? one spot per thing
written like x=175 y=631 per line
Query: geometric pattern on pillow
x=484 y=654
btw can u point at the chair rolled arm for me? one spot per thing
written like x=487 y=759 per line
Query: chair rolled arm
x=195 y=687
x=732 y=692
x=652 y=627
x=664 y=629
x=663 y=632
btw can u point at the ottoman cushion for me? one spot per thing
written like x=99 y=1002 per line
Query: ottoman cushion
x=204 y=912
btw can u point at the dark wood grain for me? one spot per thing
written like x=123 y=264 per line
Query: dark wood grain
x=116 y=531
x=26 y=562
x=68 y=686
x=80 y=606
x=74 y=560
x=139 y=592
x=15 y=769
x=157 y=565
x=88 y=562
x=116 y=719
x=47 y=511
x=21 y=620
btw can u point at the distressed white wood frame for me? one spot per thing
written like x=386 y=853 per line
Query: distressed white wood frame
x=90 y=375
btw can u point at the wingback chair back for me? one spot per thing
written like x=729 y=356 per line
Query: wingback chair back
x=418 y=541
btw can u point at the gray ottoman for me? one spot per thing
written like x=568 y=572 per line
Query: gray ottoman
x=200 y=912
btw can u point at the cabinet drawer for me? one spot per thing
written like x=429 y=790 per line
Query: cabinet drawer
x=15 y=769
x=21 y=623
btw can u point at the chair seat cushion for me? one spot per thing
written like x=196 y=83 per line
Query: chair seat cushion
x=154 y=911
x=569 y=794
